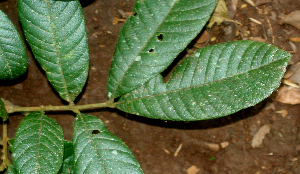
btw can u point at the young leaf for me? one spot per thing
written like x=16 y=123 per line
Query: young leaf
x=152 y=37
x=67 y=166
x=217 y=81
x=38 y=145
x=3 y=113
x=13 y=59
x=56 y=33
x=96 y=150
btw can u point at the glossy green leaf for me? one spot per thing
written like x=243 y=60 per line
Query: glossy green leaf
x=217 y=81
x=3 y=113
x=96 y=150
x=56 y=33
x=38 y=145
x=152 y=37
x=67 y=166
x=11 y=170
x=13 y=58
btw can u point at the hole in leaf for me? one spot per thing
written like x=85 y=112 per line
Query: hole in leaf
x=151 y=50
x=134 y=14
x=95 y=132
x=160 y=37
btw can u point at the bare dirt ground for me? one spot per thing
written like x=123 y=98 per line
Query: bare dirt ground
x=154 y=142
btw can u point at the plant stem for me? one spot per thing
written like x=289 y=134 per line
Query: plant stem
x=12 y=108
x=4 y=157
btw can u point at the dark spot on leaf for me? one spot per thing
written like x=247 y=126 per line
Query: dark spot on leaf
x=95 y=132
x=134 y=14
x=151 y=50
x=160 y=37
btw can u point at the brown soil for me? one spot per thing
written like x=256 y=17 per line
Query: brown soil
x=154 y=142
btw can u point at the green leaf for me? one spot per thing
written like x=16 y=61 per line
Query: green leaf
x=56 y=33
x=11 y=144
x=67 y=166
x=13 y=58
x=96 y=150
x=3 y=113
x=11 y=170
x=217 y=81
x=152 y=37
x=38 y=145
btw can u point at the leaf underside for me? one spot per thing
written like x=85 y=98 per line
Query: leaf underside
x=217 y=81
x=96 y=150
x=152 y=37
x=38 y=145
x=13 y=58
x=57 y=36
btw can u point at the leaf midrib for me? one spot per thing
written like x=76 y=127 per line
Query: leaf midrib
x=92 y=141
x=125 y=72
x=57 y=52
x=182 y=89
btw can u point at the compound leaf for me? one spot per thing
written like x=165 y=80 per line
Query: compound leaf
x=96 y=150
x=217 y=81
x=13 y=59
x=56 y=33
x=67 y=166
x=38 y=146
x=152 y=37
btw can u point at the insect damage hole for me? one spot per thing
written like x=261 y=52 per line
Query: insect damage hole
x=160 y=37
x=151 y=50
x=134 y=14
x=95 y=132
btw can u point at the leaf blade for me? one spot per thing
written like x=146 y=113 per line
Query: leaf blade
x=68 y=163
x=96 y=150
x=219 y=80
x=11 y=170
x=38 y=145
x=151 y=38
x=13 y=58
x=56 y=33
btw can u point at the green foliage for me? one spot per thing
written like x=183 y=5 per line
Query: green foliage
x=57 y=36
x=38 y=145
x=13 y=59
x=11 y=170
x=151 y=38
x=96 y=150
x=3 y=113
x=216 y=81
x=68 y=164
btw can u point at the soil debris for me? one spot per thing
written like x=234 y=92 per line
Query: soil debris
x=224 y=144
x=212 y=146
x=260 y=135
x=283 y=112
x=292 y=19
x=220 y=14
x=192 y=170
x=177 y=150
x=295 y=39
x=167 y=151
x=288 y=95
